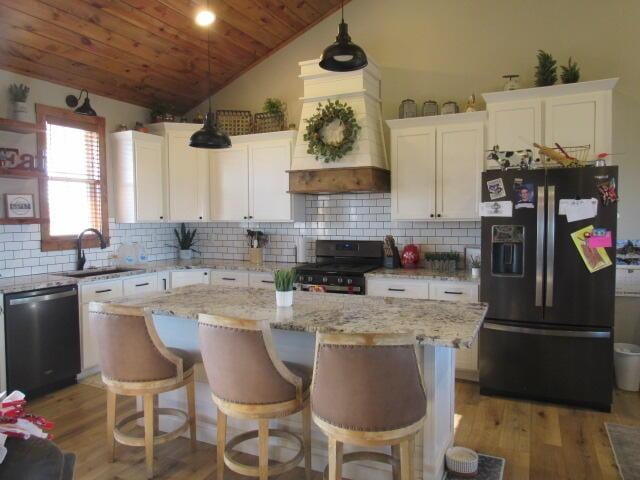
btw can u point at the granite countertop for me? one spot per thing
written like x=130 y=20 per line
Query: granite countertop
x=439 y=323
x=34 y=282
x=423 y=274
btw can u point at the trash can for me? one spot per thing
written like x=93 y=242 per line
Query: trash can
x=627 y=364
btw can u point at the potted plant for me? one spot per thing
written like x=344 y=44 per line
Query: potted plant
x=19 y=94
x=284 y=287
x=186 y=242
x=475 y=266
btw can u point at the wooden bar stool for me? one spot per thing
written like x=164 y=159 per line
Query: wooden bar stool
x=368 y=391
x=249 y=381
x=135 y=362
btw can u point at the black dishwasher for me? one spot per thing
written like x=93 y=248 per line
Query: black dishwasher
x=42 y=339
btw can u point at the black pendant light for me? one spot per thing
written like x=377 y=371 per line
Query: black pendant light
x=209 y=136
x=343 y=55
x=85 y=108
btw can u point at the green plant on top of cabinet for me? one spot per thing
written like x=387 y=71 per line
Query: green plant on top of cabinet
x=138 y=172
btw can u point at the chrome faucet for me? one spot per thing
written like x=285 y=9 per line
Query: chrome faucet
x=81 y=258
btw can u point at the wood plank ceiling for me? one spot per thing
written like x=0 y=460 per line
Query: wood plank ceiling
x=148 y=51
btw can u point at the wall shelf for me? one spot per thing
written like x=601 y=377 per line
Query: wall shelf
x=21 y=221
x=20 y=173
x=15 y=126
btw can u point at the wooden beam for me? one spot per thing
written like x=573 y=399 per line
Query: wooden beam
x=340 y=180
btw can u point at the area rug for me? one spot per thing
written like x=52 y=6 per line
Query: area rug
x=625 y=442
x=94 y=380
x=489 y=468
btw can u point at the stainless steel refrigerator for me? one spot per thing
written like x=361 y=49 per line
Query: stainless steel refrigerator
x=549 y=330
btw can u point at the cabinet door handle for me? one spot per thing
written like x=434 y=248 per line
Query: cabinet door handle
x=142 y=284
x=245 y=217
x=164 y=283
x=439 y=215
x=431 y=215
x=267 y=281
x=396 y=289
x=161 y=217
x=453 y=293
x=229 y=279
x=200 y=218
x=103 y=291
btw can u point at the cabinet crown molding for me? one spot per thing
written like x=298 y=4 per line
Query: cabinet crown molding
x=449 y=119
x=607 y=84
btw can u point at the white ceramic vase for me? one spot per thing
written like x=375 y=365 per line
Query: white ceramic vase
x=475 y=272
x=284 y=299
x=185 y=254
x=20 y=111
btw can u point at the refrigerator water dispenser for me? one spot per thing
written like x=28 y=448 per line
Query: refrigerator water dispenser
x=507 y=250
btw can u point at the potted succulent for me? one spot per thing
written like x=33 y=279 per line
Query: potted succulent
x=475 y=266
x=284 y=287
x=186 y=242
x=19 y=94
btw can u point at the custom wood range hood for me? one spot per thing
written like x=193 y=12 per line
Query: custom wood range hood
x=365 y=168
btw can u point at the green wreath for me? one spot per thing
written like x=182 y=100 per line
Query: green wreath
x=332 y=111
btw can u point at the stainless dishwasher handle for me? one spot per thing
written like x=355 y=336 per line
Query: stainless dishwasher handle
x=547 y=332
x=42 y=298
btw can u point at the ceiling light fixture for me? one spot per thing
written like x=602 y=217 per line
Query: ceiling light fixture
x=204 y=18
x=84 y=109
x=343 y=55
x=209 y=136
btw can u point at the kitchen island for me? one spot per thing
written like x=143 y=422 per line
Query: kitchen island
x=440 y=328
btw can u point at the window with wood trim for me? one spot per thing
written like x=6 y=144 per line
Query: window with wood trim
x=73 y=196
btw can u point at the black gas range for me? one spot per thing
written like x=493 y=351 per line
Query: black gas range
x=340 y=266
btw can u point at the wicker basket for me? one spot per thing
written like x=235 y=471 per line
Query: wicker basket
x=234 y=122
x=579 y=152
x=268 y=122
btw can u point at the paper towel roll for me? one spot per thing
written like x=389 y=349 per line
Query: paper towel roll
x=301 y=250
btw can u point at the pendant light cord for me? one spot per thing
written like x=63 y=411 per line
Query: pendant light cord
x=341 y=8
x=209 y=61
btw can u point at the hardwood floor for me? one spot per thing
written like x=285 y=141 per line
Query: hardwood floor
x=539 y=441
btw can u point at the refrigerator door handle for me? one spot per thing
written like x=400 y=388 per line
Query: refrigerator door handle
x=547 y=332
x=551 y=242
x=539 y=246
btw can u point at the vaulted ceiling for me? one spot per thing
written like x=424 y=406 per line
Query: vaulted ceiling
x=145 y=51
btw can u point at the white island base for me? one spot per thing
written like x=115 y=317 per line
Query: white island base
x=438 y=365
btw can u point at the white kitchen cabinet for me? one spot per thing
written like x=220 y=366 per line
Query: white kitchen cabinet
x=262 y=280
x=250 y=181
x=459 y=162
x=187 y=173
x=570 y=115
x=230 y=278
x=140 y=284
x=229 y=184
x=436 y=164
x=138 y=173
x=192 y=276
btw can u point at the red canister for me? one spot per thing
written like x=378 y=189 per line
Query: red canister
x=410 y=256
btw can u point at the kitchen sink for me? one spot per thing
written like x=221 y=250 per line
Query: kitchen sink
x=98 y=271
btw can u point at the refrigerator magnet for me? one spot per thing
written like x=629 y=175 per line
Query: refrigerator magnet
x=608 y=192
x=524 y=195
x=496 y=209
x=595 y=259
x=496 y=188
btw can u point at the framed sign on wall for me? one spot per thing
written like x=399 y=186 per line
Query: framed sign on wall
x=19 y=205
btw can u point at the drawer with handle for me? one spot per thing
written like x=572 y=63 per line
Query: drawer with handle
x=262 y=280
x=101 y=291
x=388 y=287
x=140 y=284
x=230 y=278
x=453 y=291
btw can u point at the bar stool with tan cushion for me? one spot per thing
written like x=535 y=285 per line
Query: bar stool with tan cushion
x=249 y=381
x=135 y=362
x=368 y=391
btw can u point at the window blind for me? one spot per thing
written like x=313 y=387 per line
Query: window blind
x=74 y=186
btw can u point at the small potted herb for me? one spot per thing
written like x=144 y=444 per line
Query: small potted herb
x=186 y=242
x=284 y=287
x=19 y=94
x=475 y=266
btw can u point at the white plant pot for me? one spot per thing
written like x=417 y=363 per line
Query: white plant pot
x=475 y=272
x=185 y=254
x=284 y=299
x=21 y=111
